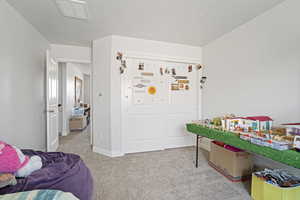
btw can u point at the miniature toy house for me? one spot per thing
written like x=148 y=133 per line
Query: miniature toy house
x=260 y=123
x=238 y=122
x=232 y=123
x=256 y=123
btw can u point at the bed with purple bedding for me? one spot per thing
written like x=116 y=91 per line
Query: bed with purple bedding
x=60 y=171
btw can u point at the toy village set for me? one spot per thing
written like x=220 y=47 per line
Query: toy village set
x=258 y=130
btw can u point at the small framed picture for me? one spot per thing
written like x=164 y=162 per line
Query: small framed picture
x=141 y=66
x=161 y=70
x=123 y=63
x=119 y=56
x=199 y=67
x=181 y=85
x=174 y=87
x=173 y=72
x=190 y=68
x=167 y=71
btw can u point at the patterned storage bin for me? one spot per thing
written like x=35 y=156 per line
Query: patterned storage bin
x=261 y=190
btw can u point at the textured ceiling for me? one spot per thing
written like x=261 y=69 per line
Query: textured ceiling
x=193 y=22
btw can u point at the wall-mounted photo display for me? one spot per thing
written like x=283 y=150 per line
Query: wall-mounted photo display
x=167 y=71
x=181 y=86
x=156 y=84
x=180 y=77
x=161 y=70
x=199 y=66
x=123 y=63
x=119 y=56
x=152 y=90
x=183 y=81
x=123 y=66
x=174 y=86
x=147 y=74
x=121 y=70
x=180 y=83
x=173 y=72
x=190 y=68
x=141 y=66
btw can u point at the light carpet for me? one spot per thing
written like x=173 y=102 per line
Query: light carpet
x=159 y=175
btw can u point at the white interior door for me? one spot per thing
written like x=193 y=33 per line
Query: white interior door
x=157 y=121
x=52 y=103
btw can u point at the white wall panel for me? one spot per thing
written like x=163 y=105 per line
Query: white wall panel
x=101 y=87
x=254 y=70
x=22 y=81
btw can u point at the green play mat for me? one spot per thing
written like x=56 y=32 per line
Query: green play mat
x=288 y=157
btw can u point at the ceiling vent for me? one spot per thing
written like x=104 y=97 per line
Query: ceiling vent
x=73 y=8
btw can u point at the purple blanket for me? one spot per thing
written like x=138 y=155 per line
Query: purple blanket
x=60 y=171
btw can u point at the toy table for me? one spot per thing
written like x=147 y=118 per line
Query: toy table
x=288 y=157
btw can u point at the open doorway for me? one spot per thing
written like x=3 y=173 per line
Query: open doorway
x=74 y=102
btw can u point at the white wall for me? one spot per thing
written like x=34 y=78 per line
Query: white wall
x=107 y=81
x=22 y=81
x=87 y=88
x=101 y=84
x=68 y=53
x=85 y=68
x=255 y=69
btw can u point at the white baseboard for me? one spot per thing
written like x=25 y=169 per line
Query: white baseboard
x=106 y=152
x=117 y=154
x=178 y=142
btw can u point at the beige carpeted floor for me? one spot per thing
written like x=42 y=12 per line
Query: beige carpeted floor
x=160 y=175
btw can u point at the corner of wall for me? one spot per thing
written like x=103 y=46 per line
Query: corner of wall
x=101 y=99
x=18 y=35
x=107 y=152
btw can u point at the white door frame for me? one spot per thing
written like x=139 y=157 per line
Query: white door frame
x=63 y=60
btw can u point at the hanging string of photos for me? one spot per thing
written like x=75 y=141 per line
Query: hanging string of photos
x=203 y=78
x=162 y=70
x=122 y=61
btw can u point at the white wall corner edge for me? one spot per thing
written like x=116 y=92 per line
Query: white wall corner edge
x=108 y=153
